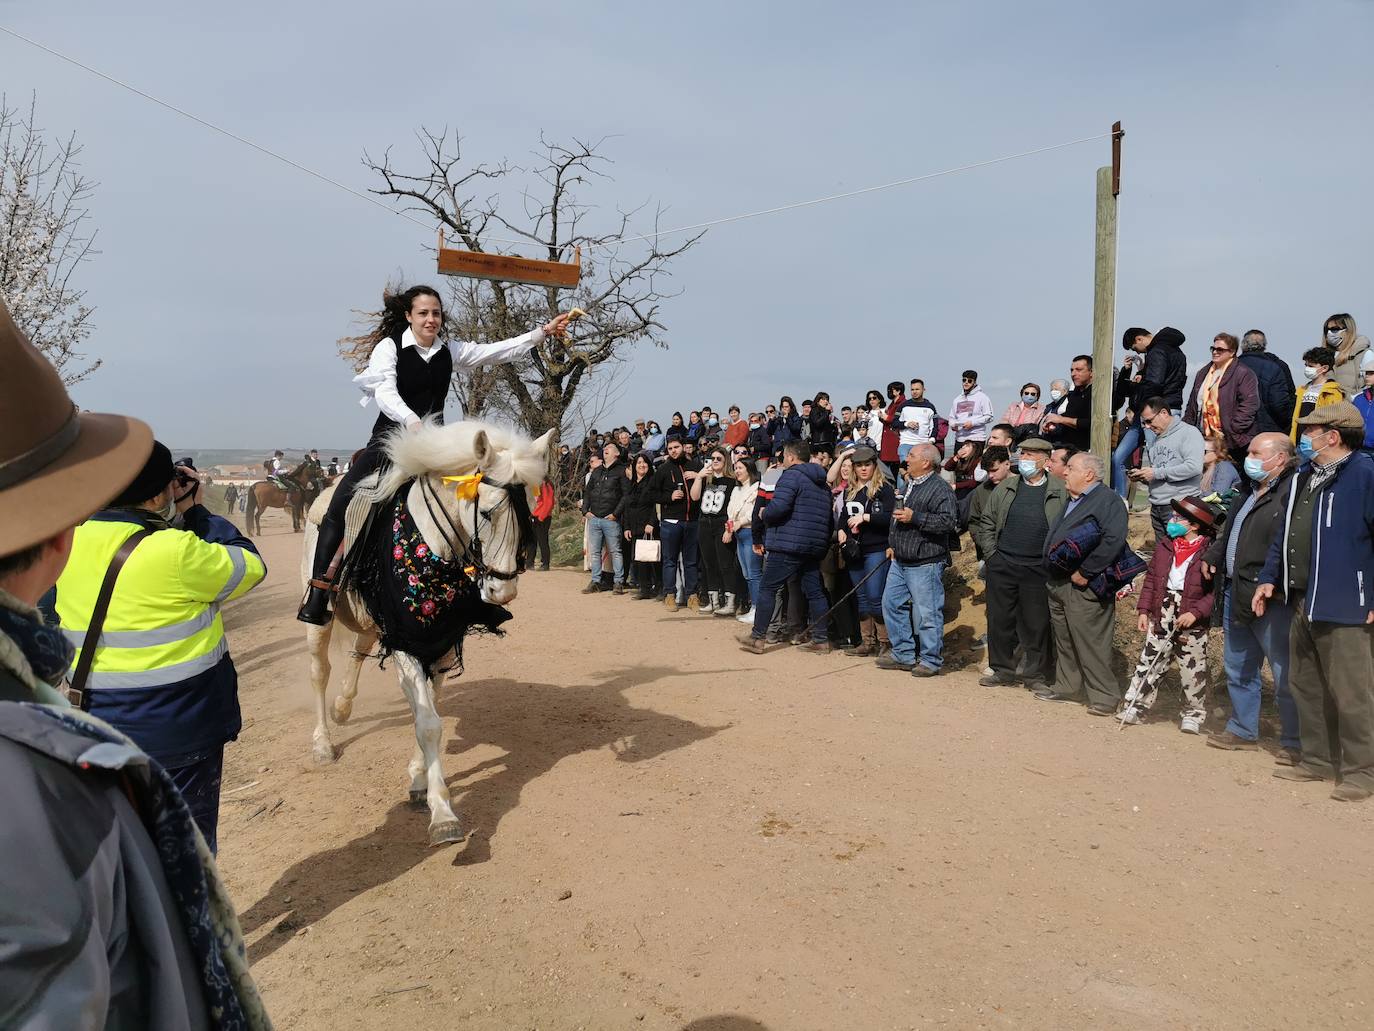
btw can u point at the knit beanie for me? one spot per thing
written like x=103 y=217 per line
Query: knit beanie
x=151 y=480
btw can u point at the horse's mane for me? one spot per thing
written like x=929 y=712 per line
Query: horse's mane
x=431 y=449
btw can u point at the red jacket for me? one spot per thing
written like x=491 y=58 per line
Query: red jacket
x=1197 y=592
x=543 y=506
x=887 y=447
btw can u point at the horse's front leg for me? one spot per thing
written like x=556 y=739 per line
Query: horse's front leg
x=444 y=827
x=363 y=642
x=317 y=643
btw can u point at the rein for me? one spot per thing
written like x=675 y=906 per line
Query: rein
x=471 y=553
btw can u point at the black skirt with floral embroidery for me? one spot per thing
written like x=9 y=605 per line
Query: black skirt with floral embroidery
x=422 y=605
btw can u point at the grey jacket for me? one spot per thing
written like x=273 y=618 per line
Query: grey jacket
x=1104 y=505
x=89 y=932
x=1176 y=458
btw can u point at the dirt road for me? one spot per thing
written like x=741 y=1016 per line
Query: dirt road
x=668 y=833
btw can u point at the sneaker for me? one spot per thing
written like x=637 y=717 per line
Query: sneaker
x=1347 y=792
x=923 y=671
x=747 y=616
x=592 y=588
x=994 y=679
x=1130 y=716
x=888 y=662
x=1190 y=725
x=1051 y=695
x=670 y=603
x=1231 y=742
x=988 y=671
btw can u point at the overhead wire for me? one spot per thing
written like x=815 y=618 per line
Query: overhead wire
x=656 y=235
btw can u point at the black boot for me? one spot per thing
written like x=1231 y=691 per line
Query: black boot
x=315 y=606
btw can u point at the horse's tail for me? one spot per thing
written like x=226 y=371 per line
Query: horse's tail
x=251 y=510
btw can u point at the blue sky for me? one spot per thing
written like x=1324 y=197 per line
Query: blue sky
x=225 y=278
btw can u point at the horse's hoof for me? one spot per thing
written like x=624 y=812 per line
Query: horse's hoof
x=342 y=710
x=324 y=755
x=419 y=799
x=449 y=833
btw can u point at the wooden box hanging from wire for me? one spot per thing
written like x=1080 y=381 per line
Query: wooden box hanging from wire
x=503 y=268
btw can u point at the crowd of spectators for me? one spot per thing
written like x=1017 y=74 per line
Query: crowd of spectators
x=829 y=528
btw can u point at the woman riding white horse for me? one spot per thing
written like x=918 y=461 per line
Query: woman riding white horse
x=442 y=553
x=408 y=374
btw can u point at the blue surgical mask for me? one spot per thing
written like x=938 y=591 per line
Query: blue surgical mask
x=1030 y=399
x=1028 y=468
x=1176 y=528
x=1055 y=395
x=1254 y=468
x=1306 y=451
x=714 y=421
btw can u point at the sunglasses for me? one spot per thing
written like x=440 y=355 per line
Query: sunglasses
x=1221 y=350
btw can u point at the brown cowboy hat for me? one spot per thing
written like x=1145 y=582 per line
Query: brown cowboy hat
x=1197 y=510
x=57 y=465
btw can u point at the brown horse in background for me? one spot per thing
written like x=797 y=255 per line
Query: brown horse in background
x=265 y=494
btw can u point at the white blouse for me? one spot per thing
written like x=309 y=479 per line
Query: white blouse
x=378 y=380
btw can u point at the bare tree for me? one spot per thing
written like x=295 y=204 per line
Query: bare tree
x=44 y=239
x=623 y=278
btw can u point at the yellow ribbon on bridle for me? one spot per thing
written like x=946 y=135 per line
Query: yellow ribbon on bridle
x=465 y=487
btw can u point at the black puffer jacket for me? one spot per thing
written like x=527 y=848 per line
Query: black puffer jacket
x=605 y=492
x=1165 y=373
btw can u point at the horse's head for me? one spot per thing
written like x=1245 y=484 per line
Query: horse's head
x=485 y=478
x=497 y=514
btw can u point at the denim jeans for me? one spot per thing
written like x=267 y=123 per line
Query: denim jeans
x=605 y=531
x=870 y=595
x=679 y=538
x=777 y=569
x=750 y=565
x=914 y=610
x=1246 y=647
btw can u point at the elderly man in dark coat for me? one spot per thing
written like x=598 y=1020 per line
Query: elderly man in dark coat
x=1081 y=621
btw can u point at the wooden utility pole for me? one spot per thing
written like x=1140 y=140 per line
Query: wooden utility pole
x=1104 y=300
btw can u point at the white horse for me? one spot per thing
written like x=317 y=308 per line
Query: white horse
x=507 y=463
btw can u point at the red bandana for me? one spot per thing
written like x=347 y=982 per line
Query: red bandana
x=1185 y=549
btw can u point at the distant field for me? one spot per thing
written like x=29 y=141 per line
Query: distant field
x=204 y=457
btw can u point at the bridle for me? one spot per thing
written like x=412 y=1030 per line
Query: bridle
x=514 y=498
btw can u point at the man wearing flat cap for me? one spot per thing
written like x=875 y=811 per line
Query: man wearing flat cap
x=1011 y=529
x=113 y=912
x=1321 y=563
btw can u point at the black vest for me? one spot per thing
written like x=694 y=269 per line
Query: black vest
x=423 y=385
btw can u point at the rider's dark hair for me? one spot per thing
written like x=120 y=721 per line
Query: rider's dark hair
x=391 y=323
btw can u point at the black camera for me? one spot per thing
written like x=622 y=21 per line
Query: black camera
x=182 y=479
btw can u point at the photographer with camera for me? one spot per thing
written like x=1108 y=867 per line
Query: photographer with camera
x=162 y=564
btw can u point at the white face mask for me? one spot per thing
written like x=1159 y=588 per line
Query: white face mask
x=1333 y=337
x=1055 y=395
x=1310 y=371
